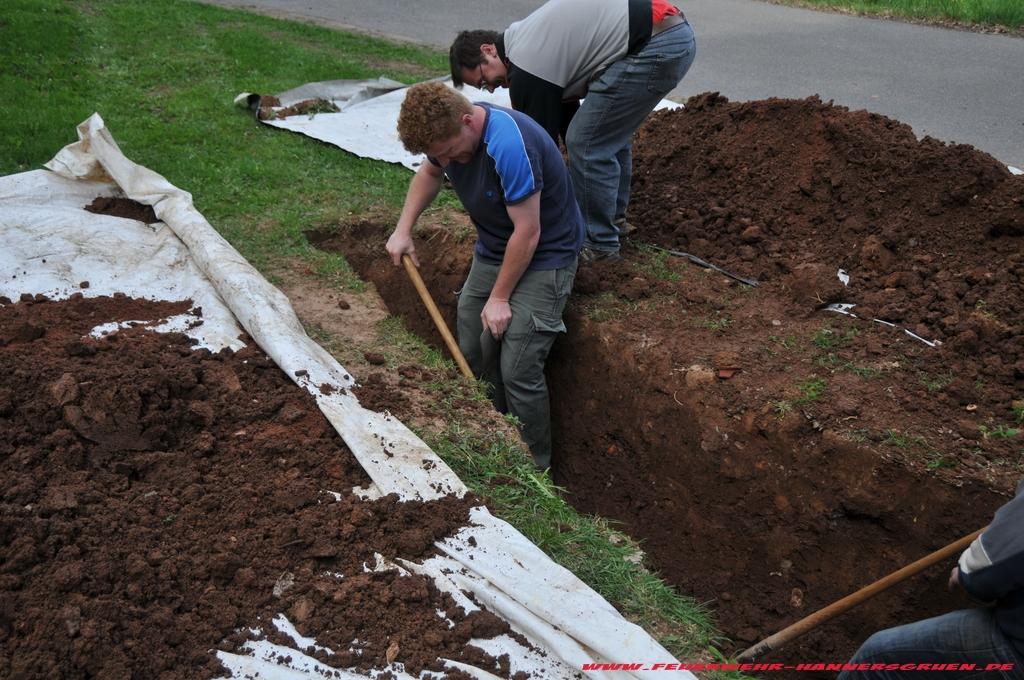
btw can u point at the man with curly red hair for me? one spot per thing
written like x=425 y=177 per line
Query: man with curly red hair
x=513 y=182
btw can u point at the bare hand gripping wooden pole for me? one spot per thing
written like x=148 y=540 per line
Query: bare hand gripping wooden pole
x=435 y=314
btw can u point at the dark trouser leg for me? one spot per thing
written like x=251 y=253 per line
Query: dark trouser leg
x=517 y=372
x=537 y=306
x=968 y=636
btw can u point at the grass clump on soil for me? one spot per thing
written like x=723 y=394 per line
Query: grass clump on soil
x=656 y=263
x=717 y=324
x=781 y=407
x=935 y=383
x=901 y=440
x=999 y=431
x=605 y=307
x=168 y=102
x=865 y=372
x=829 y=338
x=1008 y=14
x=811 y=390
x=787 y=343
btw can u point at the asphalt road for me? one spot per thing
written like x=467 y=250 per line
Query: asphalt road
x=956 y=86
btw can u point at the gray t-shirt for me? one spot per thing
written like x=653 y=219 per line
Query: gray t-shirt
x=570 y=42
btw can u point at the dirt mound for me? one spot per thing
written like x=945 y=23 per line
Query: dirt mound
x=157 y=498
x=793 y=190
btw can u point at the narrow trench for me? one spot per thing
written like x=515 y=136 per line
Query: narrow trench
x=764 y=519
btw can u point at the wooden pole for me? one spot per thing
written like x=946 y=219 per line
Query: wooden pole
x=435 y=314
x=819 y=617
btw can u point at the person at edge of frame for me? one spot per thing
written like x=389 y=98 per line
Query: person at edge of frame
x=621 y=57
x=513 y=182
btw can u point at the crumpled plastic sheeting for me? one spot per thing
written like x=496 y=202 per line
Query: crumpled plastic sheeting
x=344 y=93
x=50 y=245
x=560 y=614
x=367 y=123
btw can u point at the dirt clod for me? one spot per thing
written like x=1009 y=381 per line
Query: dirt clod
x=121 y=207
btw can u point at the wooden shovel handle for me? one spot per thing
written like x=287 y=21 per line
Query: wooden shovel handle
x=435 y=314
x=819 y=617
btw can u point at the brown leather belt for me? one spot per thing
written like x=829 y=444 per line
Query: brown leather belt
x=668 y=22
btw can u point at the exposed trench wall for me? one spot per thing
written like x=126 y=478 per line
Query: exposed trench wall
x=767 y=520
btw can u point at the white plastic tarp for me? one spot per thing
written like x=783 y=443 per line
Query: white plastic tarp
x=367 y=122
x=50 y=245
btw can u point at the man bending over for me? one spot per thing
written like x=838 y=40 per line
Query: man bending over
x=512 y=180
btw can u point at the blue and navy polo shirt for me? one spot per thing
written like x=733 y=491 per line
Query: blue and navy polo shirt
x=516 y=159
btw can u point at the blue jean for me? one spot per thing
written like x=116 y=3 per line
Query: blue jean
x=514 y=368
x=599 y=140
x=967 y=636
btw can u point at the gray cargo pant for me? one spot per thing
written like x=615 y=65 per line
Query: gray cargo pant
x=514 y=367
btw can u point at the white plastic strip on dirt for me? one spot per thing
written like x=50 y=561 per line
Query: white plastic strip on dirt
x=49 y=245
x=367 y=124
x=847 y=307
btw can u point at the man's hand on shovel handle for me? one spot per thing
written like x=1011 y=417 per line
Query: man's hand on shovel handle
x=401 y=244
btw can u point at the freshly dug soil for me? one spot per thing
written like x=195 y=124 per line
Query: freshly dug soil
x=154 y=496
x=772 y=456
x=123 y=207
x=793 y=190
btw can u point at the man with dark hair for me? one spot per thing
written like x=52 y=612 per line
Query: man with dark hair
x=623 y=56
x=991 y=638
x=512 y=180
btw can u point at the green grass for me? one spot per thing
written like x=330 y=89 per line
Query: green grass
x=163 y=76
x=895 y=438
x=824 y=338
x=167 y=100
x=658 y=264
x=606 y=306
x=902 y=440
x=811 y=390
x=1018 y=412
x=717 y=324
x=998 y=431
x=781 y=407
x=858 y=435
x=866 y=372
x=827 y=337
x=935 y=383
x=394 y=333
x=936 y=460
x=1006 y=13
x=788 y=342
